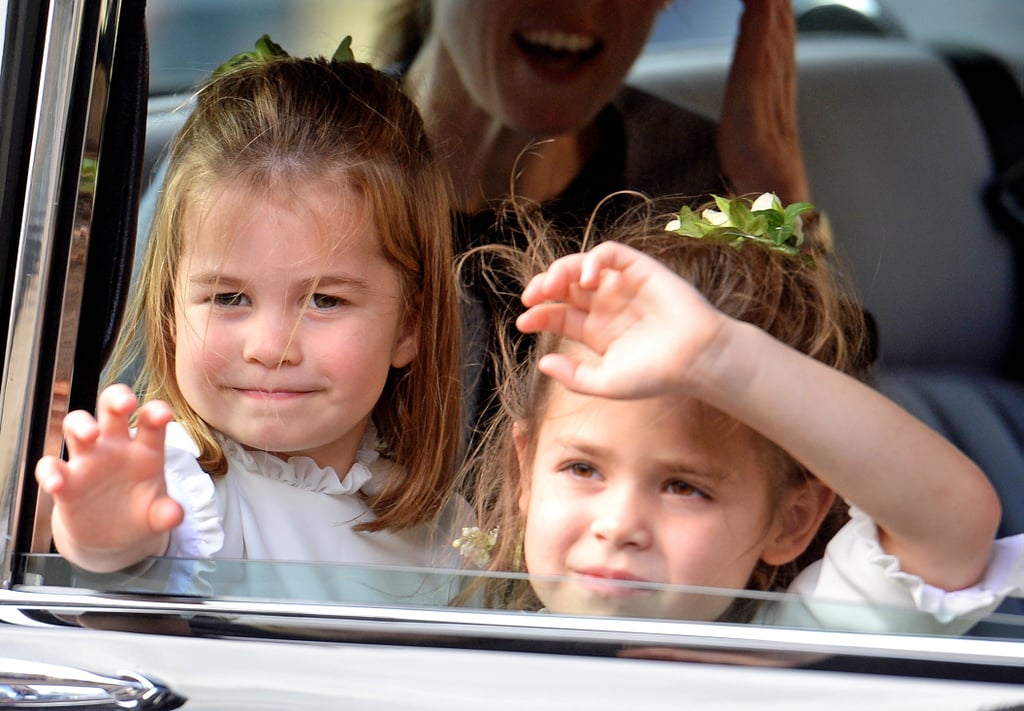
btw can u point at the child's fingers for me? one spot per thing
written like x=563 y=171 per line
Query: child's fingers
x=580 y=273
x=576 y=375
x=607 y=255
x=556 y=282
x=80 y=432
x=559 y=367
x=165 y=514
x=114 y=409
x=592 y=377
x=151 y=424
x=558 y=318
x=543 y=287
x=50 y=474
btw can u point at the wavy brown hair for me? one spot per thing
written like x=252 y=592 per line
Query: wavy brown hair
x=806 y=306
x=290 y=122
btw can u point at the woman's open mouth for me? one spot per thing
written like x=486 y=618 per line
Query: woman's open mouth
x=557 y=51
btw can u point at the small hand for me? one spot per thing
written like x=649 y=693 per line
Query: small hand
x=647 y=328
x=111 y=507
x=758 y=140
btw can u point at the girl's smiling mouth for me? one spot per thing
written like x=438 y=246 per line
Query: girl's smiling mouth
x=272 y=393
x=606 y=581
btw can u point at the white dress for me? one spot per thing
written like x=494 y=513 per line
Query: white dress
x=857 y=586
x=293 y=511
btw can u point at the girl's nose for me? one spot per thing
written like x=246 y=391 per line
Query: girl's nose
x=623 y=519
x=272 y=340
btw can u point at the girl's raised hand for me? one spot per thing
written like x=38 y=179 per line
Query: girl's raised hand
x=648 y=328
x=111 y=507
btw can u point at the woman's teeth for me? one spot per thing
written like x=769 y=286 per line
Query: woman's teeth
x=559 y=41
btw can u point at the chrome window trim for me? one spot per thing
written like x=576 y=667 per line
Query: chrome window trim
x=471 y=628
x=66 y=27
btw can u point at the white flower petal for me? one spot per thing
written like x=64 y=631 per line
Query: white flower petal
x=765 y=201
x=673 y=225
x=716 y=218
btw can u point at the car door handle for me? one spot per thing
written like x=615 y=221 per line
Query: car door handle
x=36 y=685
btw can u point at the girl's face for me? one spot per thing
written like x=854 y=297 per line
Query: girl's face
x=657 y=490
x=542 y=67
x=288 y=319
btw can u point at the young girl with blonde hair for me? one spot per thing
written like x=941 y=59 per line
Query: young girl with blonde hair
x=297 y=324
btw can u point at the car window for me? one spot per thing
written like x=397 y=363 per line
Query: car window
x=190 y=38
x=187 y=39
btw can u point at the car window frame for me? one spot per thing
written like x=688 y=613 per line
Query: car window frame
x=70 y=254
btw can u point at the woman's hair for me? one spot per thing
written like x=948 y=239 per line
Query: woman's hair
x=285 y=123
x=806 y=306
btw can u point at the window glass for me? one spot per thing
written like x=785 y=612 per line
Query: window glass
x=697 y=22
x=189 y=38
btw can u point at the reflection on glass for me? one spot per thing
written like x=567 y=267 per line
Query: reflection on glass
x=188 y=38
x=401 y=587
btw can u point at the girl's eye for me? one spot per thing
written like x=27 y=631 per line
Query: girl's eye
x=325 y=301
x=232 y=299
x=678 y=487
x=582 y=470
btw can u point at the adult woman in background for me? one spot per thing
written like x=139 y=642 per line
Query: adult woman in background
x=494 y=78
x=527 y=97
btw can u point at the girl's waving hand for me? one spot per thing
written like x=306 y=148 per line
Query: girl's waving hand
x=110 y=498
x=617 y=301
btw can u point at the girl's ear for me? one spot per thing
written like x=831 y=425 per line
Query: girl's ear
x=521 y=439
x=797 y=521
x=407 y=340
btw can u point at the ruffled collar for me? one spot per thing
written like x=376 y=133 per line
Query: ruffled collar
x=303 y=472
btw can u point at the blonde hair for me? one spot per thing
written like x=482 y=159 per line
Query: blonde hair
x=292 y=121
x=808 y=307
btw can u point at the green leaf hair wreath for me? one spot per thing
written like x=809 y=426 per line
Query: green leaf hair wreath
x=266 y=49
x=737 y=221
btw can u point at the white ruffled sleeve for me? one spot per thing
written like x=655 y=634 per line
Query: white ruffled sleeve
x=875 y=595
x=201 y=534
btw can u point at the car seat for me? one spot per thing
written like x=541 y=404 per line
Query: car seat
x=899 y=158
